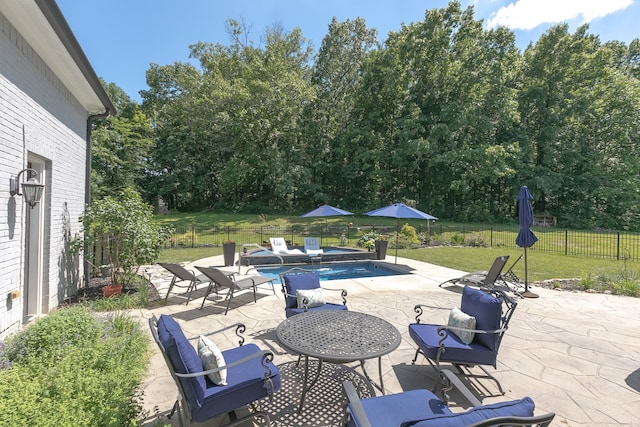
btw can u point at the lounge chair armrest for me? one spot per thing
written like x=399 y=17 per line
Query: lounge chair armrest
x=418 y=309
x=356 y=406
x=266 y=356
x=239 y=327
x=539 y=421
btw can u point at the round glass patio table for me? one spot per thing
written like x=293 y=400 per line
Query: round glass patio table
x=337 y=336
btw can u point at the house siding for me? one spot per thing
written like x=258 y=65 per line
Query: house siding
x=38 y=118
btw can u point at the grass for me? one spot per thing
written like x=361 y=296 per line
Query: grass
x=541 y=266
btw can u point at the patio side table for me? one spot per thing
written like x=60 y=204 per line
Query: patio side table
x=337 y=336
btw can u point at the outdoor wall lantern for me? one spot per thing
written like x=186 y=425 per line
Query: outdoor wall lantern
x=31 y=189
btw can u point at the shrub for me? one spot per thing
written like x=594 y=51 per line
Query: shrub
x=91 y=383
x=368 y=240
x=124 y=227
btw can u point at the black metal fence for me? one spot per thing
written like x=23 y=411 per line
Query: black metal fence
x=599 y=244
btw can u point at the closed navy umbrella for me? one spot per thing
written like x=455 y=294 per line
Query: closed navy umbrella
x=526 y=238
x=400 y=210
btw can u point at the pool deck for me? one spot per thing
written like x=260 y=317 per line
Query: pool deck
x=576 y=354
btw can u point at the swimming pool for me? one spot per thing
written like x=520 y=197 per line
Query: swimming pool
x=335 y=271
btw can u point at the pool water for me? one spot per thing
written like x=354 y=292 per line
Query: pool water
x=334 y=271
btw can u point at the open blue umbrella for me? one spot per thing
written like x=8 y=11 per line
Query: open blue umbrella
x=400 y=210
x=526 y=238
x=325 y=210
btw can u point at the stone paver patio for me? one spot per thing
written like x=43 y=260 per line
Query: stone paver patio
x=576 y=354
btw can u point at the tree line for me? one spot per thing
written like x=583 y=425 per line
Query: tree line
x=445 y=115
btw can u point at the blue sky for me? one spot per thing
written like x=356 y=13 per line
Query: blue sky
x=122 y=38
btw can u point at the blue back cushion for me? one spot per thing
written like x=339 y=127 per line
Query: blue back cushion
x=487 y=310
x=295 y=281
x=516 y=408
x=183 y=357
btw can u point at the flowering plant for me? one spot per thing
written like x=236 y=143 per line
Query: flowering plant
x=229 y=241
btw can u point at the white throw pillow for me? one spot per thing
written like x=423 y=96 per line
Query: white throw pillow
x=212 y=358
x=459 y=319
x=314 y=297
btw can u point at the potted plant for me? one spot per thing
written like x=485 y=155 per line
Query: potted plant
x=229 y=251
x=381 y=244
x=124 y=228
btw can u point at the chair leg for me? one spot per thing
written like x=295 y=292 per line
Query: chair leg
x=192 y=286
x=230 y=296
x=206 y=294
x=415 y=357
x=468 y=374
x=173 y=282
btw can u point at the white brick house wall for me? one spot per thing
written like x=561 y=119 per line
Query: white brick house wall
x=40 y=119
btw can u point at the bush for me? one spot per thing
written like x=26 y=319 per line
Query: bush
x=124 y=228
x=92 y=382
x=368 y=240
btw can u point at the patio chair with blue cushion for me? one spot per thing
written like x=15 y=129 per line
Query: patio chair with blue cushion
x=212 y=383
x=303 y=292
x=471 y=337
x=422 y=408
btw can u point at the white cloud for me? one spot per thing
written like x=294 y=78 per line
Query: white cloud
x=528 y=14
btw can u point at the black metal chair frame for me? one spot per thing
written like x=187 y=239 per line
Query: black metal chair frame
x=299 y=270
x=181 y=406
x=535 y=421
x=463 y=369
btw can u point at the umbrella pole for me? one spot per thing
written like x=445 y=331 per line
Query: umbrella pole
x=526 y=293
x=397 y=232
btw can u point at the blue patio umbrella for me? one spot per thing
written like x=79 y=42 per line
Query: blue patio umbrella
x=324 y=211
x=400 y=210
x=526 y=238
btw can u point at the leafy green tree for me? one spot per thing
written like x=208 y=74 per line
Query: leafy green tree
x=120 y=146
x=580 y=112
x=336 y=76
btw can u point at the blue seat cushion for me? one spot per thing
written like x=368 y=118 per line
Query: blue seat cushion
x=393 y=409
x=183 y=357
x=328 y=306
x=427 y=339
x=245 y=384
x=517 y=408
x=295 y=281
x=487 y=309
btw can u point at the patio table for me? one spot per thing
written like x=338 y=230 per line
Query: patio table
x=337 y=336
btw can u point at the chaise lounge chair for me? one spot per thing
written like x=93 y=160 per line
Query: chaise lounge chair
x=481 y=279
x=234 y=283
x=279 y=246
x=312 y=246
